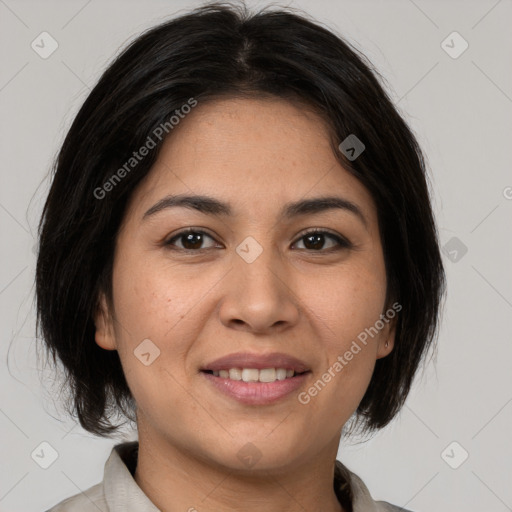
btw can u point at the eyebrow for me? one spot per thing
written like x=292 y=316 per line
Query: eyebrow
x=211 y=206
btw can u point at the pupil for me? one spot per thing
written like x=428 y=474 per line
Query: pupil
x=192 y=241
x=316 y=241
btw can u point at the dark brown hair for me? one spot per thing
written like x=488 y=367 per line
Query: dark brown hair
x=214 y=51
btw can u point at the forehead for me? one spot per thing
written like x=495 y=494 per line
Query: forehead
x=254 y=153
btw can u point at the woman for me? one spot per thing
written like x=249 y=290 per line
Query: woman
x=238 y=253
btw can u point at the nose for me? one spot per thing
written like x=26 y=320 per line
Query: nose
x=258 y=296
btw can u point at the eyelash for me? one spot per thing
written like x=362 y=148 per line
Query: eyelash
x=342 y=242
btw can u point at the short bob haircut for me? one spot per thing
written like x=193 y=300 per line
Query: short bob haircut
x=222 y=50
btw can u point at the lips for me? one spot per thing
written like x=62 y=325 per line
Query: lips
x=256 y=379
x=257 y=361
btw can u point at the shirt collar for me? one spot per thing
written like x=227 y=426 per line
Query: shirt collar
x=121 y=490
x=348 y=484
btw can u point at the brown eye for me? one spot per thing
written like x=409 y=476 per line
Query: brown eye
x=316 y=241
x=189 y=240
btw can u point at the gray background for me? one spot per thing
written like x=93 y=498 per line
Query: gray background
x=460 y=109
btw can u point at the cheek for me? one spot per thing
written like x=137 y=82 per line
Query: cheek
x=157 y=304
x=167 y=305
x=344 y=310
x=346 y=303
x=153 y=300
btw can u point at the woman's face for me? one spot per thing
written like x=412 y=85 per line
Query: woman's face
x=251 y=281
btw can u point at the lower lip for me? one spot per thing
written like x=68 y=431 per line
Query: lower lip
x=257 y=393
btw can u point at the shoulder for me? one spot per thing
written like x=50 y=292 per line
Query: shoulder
x=93 y=500
x=118 y=490
x=387 y=507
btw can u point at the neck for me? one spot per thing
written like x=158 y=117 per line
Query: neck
x=175 y=479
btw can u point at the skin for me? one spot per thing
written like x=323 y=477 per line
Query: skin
x=304 y=300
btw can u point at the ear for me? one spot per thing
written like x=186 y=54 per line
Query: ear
x=104 y=334
x=387 y=338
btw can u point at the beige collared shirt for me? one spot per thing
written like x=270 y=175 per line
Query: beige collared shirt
x=118 y=492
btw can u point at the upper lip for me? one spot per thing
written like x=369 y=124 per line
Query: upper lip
x=257 y=361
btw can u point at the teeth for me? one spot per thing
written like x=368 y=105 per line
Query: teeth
x=268 y=375
x=235 y=374
x=281 y=374
x=255 y=375
x=250 y=375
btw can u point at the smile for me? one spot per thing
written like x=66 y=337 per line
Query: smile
x=250 y=386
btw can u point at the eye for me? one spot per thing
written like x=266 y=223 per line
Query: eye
x=190 y=240
x=315 y=240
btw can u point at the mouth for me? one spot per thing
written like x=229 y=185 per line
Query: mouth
x=256 y=379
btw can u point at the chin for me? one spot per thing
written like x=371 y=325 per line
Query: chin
x=259 y=454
